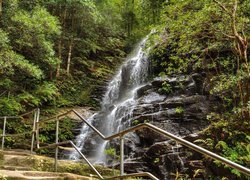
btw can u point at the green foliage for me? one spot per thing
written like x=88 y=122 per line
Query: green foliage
x=156 y=160
x=135 y=122
x=10 y=106
x=47 y=92
x=29 y=99
x=35 y=51
x=110 y=152
x=38 y=38
x=230 y=139
x=179 y=110
x=26 y=57
x=179 y=176
x=166 y=88
x=238 y=153
x=198 y=36
x=36 y=31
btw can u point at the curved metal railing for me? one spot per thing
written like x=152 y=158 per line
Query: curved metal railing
x=120 y=135
x=184 y=142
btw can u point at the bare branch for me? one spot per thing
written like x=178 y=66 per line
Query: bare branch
x=246 y=38
x=229 y=36
x=235 y=7
x=222 y=7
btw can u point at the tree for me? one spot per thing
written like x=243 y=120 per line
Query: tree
x=75 y=17
x=27 y=57
x=240 y=38
x=1 y=9
x=34 y=40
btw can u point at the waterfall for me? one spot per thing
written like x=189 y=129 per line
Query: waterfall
x=117 y=104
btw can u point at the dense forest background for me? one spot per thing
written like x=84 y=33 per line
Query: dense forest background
x=61 y=53
x=57 y=53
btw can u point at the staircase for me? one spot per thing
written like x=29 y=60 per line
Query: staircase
x=21 y=175
x=20 y=164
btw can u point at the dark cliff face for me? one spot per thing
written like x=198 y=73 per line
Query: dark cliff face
x=180 y=108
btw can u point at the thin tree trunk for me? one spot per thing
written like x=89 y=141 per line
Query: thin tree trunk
x=60 y=58
x=63 y=15
x=70 y=45
x=69 y=57
x=1 y=10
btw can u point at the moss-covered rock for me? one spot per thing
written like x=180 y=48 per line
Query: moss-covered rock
x=42 y=163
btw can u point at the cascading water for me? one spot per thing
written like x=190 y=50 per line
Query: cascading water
x=117 y=105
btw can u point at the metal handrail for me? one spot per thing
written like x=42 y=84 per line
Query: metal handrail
x=56 y=117
x=57 y=144
x=19 y=116
x=142 y=174
x=120 y=135
x=184 y=142
x=5 y=118
x=86 y=160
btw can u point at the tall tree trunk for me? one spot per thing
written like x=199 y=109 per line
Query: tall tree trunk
x=63 y=15
x=1 y=10
x=69 y=56
x=60 y=58
x=70 y=44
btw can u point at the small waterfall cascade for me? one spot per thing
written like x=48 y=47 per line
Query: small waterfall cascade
x=117 y=104
x=176 y=154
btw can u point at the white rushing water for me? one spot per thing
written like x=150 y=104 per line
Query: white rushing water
x=117 y=104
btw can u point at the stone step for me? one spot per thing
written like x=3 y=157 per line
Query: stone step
x=20 y=162
x=27 y=175
x=15 y=168
x=17 y=152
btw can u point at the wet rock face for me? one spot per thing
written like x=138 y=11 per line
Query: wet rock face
x=181 y=111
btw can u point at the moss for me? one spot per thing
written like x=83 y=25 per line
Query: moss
x=1 y=158
x=41 y=163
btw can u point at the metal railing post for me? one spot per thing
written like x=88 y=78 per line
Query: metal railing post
x=4 y=128
x=33 y=133
x=37 y=128
x=121 y=155
x=56 y=153
x=86 y=160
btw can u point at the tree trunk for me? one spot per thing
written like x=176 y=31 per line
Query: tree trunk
x=241 y=42
x=63 y=14
x=69 y=57
x=60 y=58
x=1 y=10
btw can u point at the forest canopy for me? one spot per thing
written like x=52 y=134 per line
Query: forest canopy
x=42 y=42
x=61 y=53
